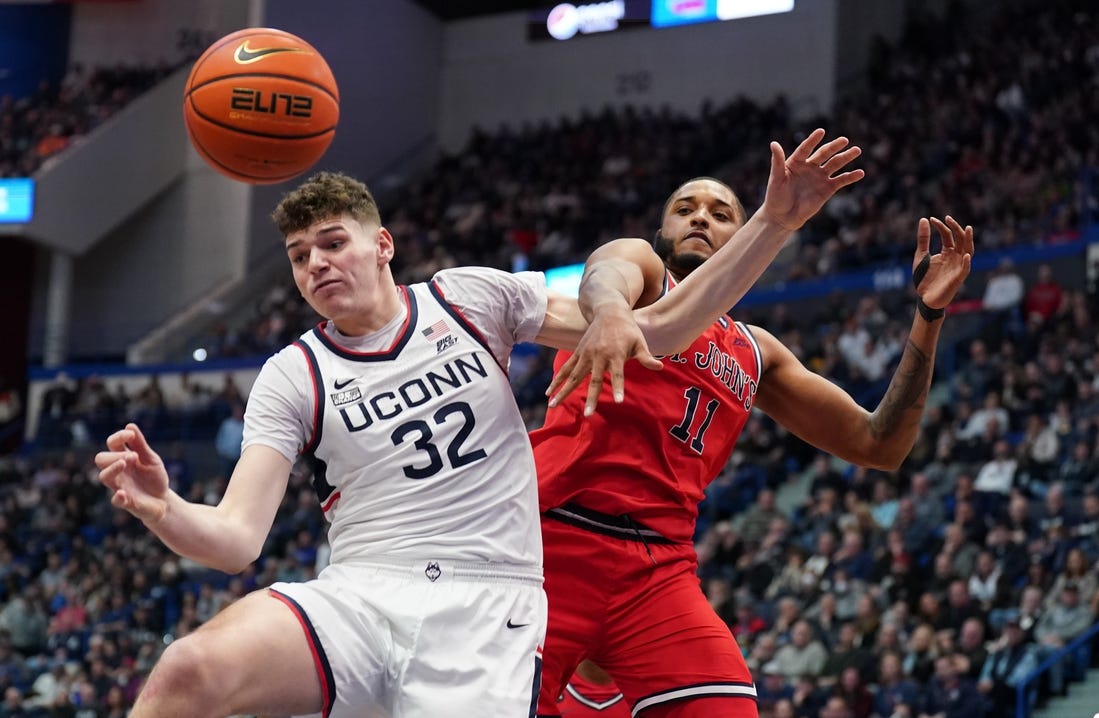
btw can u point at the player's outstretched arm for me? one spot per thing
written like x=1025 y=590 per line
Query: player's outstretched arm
x=797 y=187
x=825 y=416
x=226 y=537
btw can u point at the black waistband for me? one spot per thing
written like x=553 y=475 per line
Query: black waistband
x=621 y=526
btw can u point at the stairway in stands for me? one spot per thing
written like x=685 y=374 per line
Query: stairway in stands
x=1082 y=700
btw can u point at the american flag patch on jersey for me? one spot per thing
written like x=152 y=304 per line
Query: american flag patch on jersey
x=436 y=330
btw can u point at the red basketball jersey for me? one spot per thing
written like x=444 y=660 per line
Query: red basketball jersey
x=583 y=699
x=653 y=455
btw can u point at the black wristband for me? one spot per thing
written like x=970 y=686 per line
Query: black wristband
x=918 y=274
x=927 y=312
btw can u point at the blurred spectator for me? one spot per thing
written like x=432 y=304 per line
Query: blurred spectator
x=1079 y=573
x=1086 y=532
x=895 y=695
x=918 y=660
x=1038 y=450
x=762 y=653
x=991 y=418
x=1010 y=661
x=971 y=651
x=883 y=504
x=997 y=475
x=957 y=545
x=985 y=583
x=803 y=655
x=852 y=558
x=979 y=374
x=852 y=690
x=758 y=517
x=25 y=622
x=1059 y=624
x=1003 y=296
x=229 y=438
x=846 y=653
x=948 y=694
x=1044 y=297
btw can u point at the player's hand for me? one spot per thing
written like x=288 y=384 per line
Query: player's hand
x=948 y=269
x=612 y=339
x=800 y=184
x=135 y=475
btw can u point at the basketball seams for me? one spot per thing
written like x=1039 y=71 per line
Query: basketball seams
x=252 y=133
x=268 y=75
x=213 y=160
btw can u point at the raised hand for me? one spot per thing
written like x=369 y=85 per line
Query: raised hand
x=946 y=270
x=135 y=474
x=800 y=184
x=610 y=341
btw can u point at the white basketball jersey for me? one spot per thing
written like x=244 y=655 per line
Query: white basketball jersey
x=419 y=451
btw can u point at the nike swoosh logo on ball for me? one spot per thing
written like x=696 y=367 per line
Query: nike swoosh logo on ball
x=245 y=55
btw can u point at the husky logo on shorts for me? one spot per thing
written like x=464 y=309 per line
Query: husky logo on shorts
x=433 y=571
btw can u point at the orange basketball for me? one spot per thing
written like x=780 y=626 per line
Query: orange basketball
x=261 y=105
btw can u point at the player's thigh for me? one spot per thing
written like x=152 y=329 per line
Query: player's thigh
x=577 y=604
x=257 y=651
x=478 y=652
x=666 y=645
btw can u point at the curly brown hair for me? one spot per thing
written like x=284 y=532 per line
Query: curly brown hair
x=323 y=196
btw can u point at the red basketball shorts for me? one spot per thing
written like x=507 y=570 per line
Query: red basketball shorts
x=636 y=609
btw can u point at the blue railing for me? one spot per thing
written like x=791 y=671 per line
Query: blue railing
x=1022 y=702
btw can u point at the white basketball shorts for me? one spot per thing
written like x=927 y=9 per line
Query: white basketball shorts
x=429 y=639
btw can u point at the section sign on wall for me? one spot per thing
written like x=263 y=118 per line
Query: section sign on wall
x=16 y=200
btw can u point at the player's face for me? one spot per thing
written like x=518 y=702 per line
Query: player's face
x=699 y=220
x=337 y=265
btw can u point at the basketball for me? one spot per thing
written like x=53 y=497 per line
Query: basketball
x=261 y=105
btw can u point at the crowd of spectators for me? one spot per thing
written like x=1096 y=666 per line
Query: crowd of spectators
x=40 y=125
x=854 y=593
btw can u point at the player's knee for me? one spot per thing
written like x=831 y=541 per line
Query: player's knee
x=186 y=668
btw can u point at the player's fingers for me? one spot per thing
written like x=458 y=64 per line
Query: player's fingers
x=618 y=380
x=140 y=445
x=111 y=476
x=923 y=238
x=121 y=500
x=847 y=178
x=561 y=376
x=838 y=161
x=103 y=459
x=967 y=246
x=595 y=388
x=648 y=361
x=806 y=147
x=957 y=231
x=828 y=150
x=564 y=389
x=778 y=161
x=945 y=236
x=576 y=373
x=117 y=441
